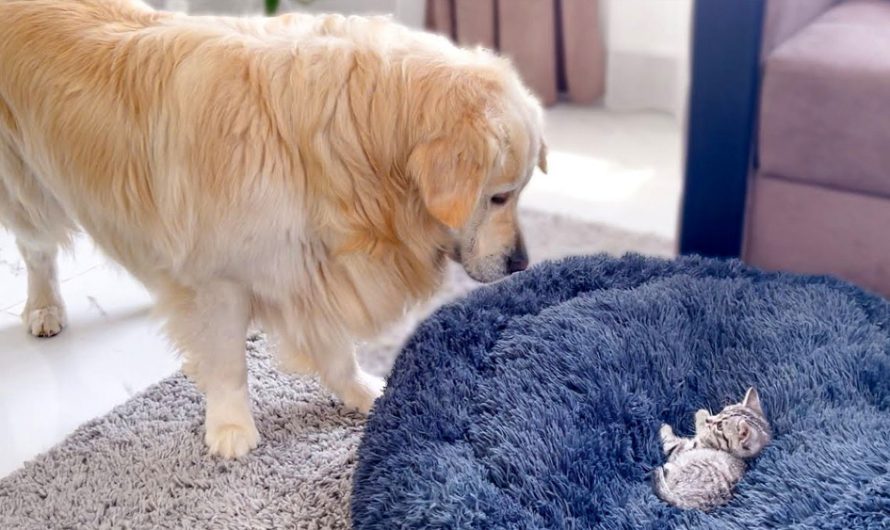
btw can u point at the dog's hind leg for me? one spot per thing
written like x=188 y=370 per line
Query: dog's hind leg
x=40 y=226
x=44 y=313
x=209 y=325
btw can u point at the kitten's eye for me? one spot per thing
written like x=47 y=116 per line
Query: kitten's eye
x=720 y=427
x=500 y=199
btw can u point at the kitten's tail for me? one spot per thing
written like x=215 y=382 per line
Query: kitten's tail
x=662 y=490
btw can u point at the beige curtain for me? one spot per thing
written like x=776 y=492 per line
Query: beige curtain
x=557 y=45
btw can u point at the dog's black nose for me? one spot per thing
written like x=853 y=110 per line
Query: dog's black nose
x=517 y=261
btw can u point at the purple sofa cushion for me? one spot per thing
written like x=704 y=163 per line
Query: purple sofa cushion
x=784 y=18
x=825 y=110
x=815 y=230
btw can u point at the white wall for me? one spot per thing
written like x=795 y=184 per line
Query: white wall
x=648 y=43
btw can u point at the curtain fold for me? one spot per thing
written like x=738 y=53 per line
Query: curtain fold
x=557 y=45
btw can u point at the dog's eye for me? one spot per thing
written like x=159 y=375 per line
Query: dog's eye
x=500 y=199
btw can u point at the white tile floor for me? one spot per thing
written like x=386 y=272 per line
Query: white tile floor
x=622 y=170
x=111 y=350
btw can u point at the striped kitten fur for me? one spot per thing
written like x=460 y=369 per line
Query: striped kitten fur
x=701 y=472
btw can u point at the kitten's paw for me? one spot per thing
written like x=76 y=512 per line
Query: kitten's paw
x=701 y=416
x=665 y=432
x=45 y=322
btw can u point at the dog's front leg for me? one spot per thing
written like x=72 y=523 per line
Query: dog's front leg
x=330 y=352
x=341 y=373
x=211 y=330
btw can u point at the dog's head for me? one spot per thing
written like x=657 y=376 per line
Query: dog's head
x=471 y=172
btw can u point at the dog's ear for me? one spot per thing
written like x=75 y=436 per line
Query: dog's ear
x=450 y=172
x=542 y=157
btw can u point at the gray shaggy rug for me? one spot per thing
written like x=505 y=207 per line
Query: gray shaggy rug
x=144 y=465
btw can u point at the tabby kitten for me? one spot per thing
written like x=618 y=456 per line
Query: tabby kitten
x=702 y=471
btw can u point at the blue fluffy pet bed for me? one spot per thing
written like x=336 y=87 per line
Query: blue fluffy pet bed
x=536 y=403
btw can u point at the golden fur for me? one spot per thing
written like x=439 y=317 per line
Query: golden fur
x=310 y=173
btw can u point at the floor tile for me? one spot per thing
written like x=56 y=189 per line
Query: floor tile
x=110 y=351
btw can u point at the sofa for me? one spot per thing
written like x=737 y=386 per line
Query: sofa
x=819 y=191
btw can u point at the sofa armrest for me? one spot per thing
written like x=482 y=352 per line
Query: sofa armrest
x=784 y=18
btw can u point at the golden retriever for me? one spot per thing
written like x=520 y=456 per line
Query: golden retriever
x=309 y=173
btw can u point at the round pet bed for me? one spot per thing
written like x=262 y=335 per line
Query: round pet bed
x=536 y=402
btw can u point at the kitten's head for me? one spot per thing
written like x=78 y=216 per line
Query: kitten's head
x=740 y=429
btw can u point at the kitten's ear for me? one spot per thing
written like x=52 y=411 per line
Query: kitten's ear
x=752 y=401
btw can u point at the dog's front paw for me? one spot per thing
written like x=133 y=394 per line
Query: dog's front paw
x=45 y=322
x=363 y=391
x=231 y=440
